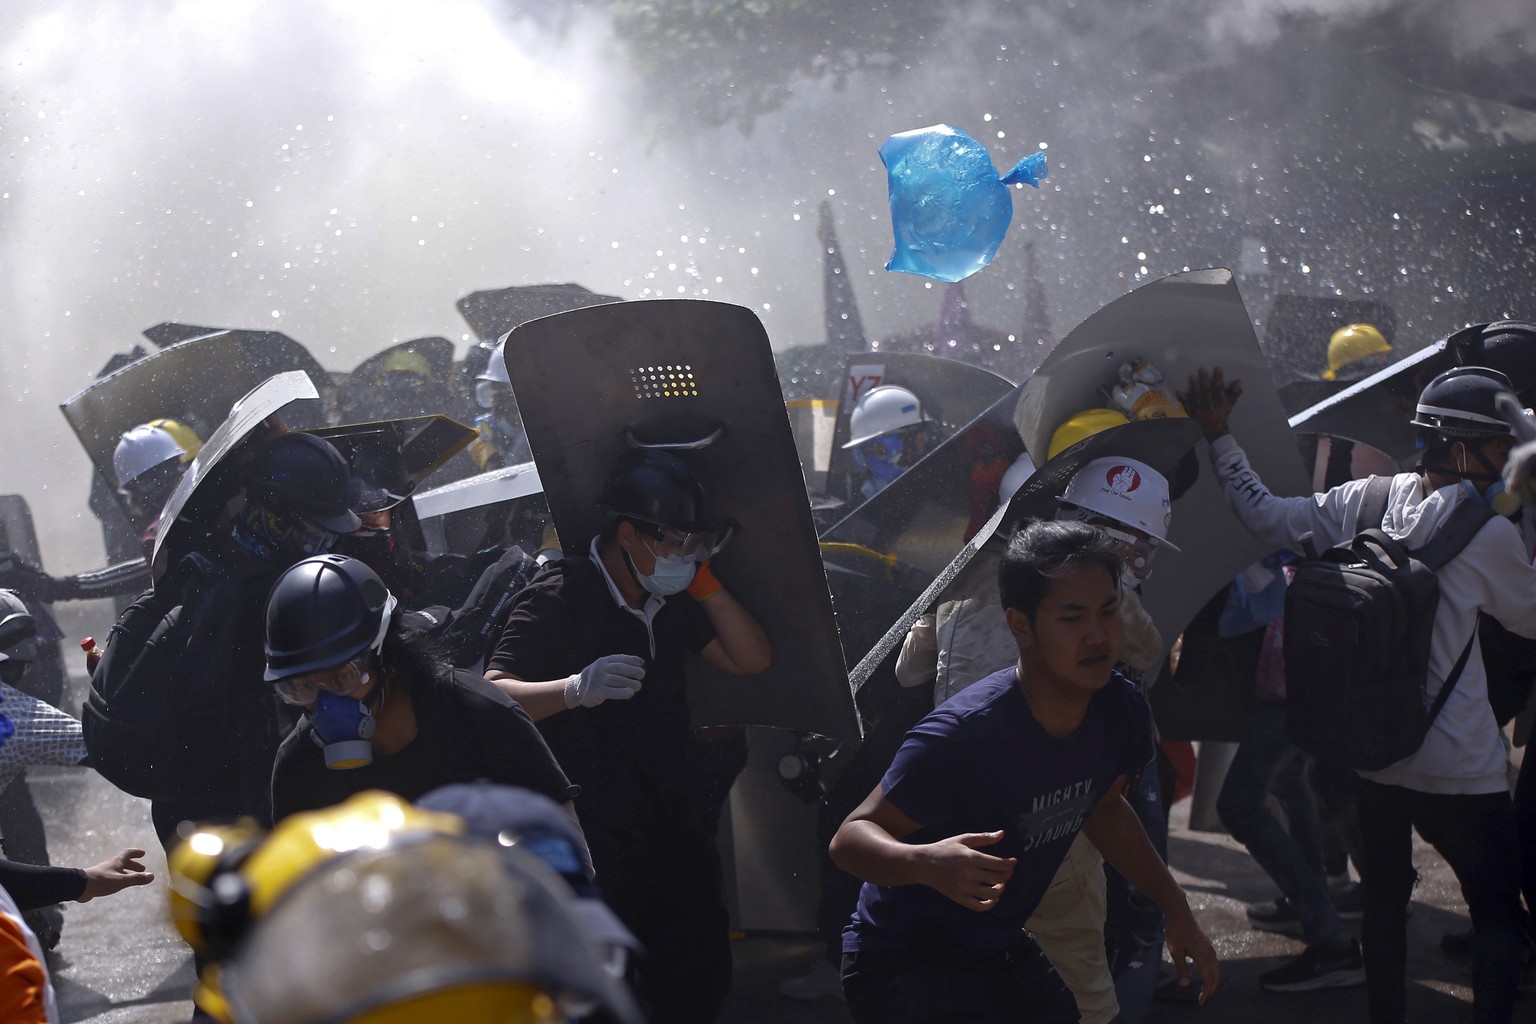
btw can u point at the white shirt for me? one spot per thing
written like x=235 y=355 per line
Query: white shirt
x=1463 y=752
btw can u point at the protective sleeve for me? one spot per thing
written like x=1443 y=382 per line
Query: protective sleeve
x=1328 y=518
x=918 y=662
x=36 y=885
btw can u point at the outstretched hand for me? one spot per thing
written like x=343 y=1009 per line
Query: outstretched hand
x=1187 y=942
x=112 y=876
x=1210 y=399
x=957 y=868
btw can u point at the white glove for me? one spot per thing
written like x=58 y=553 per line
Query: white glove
x=611 y=677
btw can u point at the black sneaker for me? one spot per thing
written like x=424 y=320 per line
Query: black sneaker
x=1276 y=915
x=1317 y=968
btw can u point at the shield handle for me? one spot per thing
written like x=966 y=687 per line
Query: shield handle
x=674 y=446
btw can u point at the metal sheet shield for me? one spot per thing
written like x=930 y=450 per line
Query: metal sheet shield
x=195 y=382
x=1161 y=444
x=193 y=498
x=953 y=393
x=675 y=372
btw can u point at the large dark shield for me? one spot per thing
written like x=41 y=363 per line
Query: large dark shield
x=697 y=376
x=1160 y=444
x=494 y=312
x=953 y=394
x=204 y=489
x=194 y=381
x=1376 y=411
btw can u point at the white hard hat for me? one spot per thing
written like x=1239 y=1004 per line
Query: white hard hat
x=142 y=449
x=1129 y=492
x=882 y=409
x=496 y=366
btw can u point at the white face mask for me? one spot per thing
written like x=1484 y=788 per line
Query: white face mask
x=671 y=575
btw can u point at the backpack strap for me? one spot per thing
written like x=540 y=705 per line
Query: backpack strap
x=1450 y=680
x=1464 y=522
x=1373 y=506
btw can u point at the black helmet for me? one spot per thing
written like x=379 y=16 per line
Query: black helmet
x=655 y=487
x=379 y=477
x=17 y=628
x=303 y=474
x=1459 y=405
x=1508 y=346
x=322 y=613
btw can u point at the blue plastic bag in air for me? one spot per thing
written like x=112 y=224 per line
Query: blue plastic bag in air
x=949 y=207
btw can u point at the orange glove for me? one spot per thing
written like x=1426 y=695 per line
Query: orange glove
x=705 y=585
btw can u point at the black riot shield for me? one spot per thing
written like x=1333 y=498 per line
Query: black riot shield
x=694 y=375
x=952 y=395
x=194 y=382
x=204 y=489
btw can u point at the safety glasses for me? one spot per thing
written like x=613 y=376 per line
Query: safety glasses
x=667 y=543
x=343 y=681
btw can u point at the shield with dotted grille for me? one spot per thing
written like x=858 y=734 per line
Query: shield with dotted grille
x=697 y=378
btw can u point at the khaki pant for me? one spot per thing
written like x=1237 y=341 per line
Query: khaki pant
x=1069 y=926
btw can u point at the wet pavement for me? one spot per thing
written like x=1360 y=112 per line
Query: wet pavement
x=121 y=963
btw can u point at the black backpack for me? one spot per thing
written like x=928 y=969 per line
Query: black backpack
x=1358 y=621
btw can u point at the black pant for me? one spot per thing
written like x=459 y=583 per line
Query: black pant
x=1476 y=836
x=942 y=983
x=662 y=877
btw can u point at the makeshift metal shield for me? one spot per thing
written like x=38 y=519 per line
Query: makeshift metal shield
x=204 y=489
x=1161 y=444
x=882 y=555
x=697 y=377
x=193 y=382
x=494 y=312
x=952 y=394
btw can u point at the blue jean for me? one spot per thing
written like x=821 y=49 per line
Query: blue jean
x=1263 y=752
x=1134 y=927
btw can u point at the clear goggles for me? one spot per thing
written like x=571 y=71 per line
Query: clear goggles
x=664 y=542
x=1136 y=549
x=343 y=681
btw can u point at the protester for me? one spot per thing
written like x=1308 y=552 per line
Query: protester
x=594 y=649
x=383 y=710
x=179 y=712
x=961 y=839
x=1454 y=790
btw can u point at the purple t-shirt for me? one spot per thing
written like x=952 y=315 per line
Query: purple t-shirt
x=981 y=763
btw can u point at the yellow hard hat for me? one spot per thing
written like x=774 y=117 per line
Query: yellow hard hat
x=1083 y=425
x=485 y=1002
x=406 y=360
x=421 y=926
x=183 y=435
x=301 y=842
x=1351 y=344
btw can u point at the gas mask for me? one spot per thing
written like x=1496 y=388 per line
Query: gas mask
x=883 y=459
x=276 y=536
x=342 y=728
